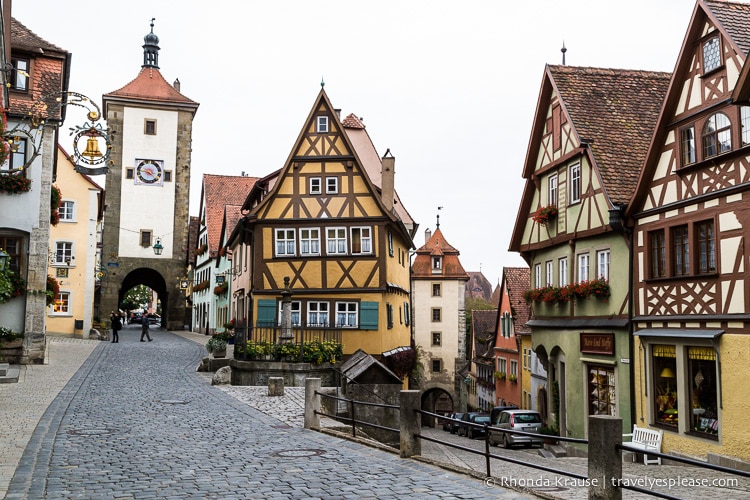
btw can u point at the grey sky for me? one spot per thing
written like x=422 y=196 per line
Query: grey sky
x=449 y=87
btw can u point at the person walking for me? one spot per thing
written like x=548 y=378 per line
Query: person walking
x=144 y=328
x=116 y=323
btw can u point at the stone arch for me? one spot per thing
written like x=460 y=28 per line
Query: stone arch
x=436 y=400
x=152 y=279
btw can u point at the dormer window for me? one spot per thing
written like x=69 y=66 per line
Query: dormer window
x=711 y=54
x=19 y=79
x=322 y=125
x=437 y=263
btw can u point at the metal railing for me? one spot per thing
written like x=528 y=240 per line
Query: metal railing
x=351 y=420
x=598 y=426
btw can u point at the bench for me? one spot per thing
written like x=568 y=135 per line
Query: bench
x=646 y=440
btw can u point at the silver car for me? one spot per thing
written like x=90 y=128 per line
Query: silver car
x=516 y=420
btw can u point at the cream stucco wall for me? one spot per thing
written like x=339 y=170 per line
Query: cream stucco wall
x=81 y=231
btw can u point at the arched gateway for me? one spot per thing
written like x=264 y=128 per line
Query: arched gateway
x=145 y=230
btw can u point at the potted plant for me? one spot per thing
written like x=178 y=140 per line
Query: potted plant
x=217 y=346
x=513 y=378
x=551 y=432
x=10 y=339
x=500 y=375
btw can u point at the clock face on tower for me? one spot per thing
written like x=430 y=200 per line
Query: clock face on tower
x=149 y=172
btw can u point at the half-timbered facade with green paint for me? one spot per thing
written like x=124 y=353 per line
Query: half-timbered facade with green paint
x=331 y=222
x=691 y=216
x=582 y=162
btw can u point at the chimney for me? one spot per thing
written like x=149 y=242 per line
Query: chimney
x=388 y=165
x=338 y=113
x=176 y=84
x=427 y=235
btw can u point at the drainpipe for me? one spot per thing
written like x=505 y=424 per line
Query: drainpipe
x=617 y=223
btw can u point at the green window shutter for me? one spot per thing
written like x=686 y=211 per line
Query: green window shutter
x=407 y=317
x=266 y=312
x=368 y=316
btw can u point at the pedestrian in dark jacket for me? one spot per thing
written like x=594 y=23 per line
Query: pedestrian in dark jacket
x=116 y=322
x=144 y=328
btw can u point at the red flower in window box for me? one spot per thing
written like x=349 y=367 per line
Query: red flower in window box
x=545 y=214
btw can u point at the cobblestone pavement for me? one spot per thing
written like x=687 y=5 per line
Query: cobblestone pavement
x=137 y=421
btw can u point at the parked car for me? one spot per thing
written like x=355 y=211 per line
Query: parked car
x=446 y=424
x=135 y=318
x=517 y=420
x=474 y=417
x=496 y=411
x=480 y=419
x=154 y=319
x=453 y=424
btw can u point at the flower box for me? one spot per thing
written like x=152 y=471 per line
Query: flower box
x=545 y=214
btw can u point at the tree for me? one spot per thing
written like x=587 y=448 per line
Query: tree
x=136 y=298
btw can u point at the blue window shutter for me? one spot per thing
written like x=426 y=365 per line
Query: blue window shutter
x=368 y=315
x=266 y=312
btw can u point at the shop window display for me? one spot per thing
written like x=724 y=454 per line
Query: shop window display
x=702 y=383
x=665 y=385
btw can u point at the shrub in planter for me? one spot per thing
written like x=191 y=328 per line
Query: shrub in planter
x=216 y=345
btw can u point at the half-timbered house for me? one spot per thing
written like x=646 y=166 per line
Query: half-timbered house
x=331 y=222
x=588 y=141
x=690 y=221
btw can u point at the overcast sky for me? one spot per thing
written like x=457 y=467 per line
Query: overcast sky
x=450 y=87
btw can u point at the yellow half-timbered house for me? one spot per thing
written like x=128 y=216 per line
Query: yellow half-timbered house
x=331 y=222
x=690 y=221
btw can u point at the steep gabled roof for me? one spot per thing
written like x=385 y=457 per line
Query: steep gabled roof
x=218 y=192
x=612 y=111
x=371 y=162
x=437 y=245
x=49 y=72
x=150 y=87
x=478 y=286
x=732 y=19
x=358 y=143
x=615 y=111
x=516 y=281
x=483 y=332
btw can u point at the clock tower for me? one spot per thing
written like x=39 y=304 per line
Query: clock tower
x=147 y=189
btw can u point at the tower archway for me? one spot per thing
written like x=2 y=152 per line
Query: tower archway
x=152 y=279
x=436 y=400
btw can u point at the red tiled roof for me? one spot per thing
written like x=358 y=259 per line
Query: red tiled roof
x=735 y=19
x=218 y=192
x=517 y=281
x=615 y=111
x=437 y=245
x=352 y=121
x=25 y=39
x=47 y=71
x=483 y=331
x=150 y=85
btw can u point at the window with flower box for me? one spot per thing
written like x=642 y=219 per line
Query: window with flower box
x=562 y=268
x=602 y=262
x=583 y=267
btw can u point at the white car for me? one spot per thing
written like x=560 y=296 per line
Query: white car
x=516 y=420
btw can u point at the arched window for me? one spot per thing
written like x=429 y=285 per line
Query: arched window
x=717 y=135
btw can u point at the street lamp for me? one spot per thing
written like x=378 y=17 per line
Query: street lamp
x=158 y=247
x=4 y=259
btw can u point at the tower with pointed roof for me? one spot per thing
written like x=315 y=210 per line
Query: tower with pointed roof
x=147 y=189
x=438 y=293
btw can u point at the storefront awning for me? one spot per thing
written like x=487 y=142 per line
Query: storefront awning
x=678 y=332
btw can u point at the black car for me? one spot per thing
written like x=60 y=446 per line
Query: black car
x=475 y=417
x=495 y=412
x=453 y=424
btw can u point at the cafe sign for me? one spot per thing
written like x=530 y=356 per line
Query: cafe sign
x=598 y=343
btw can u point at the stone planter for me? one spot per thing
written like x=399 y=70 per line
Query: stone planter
x=11 y=344
x=219 y=353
